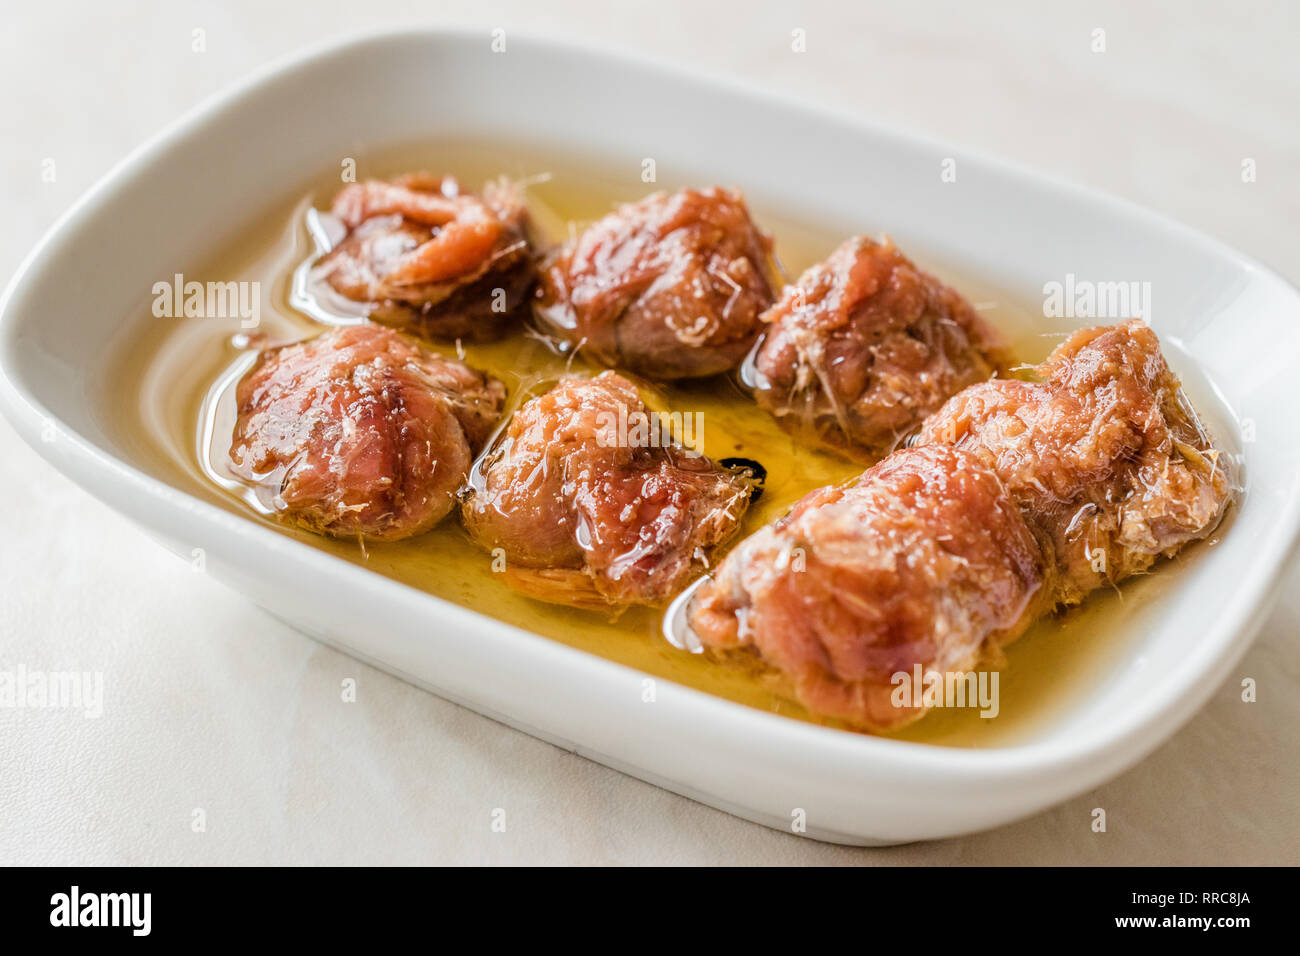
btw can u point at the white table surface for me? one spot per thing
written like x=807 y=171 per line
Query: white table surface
x=210 y=703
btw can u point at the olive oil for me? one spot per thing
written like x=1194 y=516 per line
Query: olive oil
x=176 y=382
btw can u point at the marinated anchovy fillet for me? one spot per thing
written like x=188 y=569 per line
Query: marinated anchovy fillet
x=670 y=287
x=1017 y=498
x=1105 y=455
x=864 y=346
x=428 y=257
x=361 y=431
x=587 y=515
x=920 y=560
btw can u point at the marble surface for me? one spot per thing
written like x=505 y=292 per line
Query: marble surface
x=209 y=704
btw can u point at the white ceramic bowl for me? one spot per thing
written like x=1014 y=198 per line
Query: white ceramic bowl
x=190 y=191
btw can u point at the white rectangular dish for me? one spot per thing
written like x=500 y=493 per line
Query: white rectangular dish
x=1229 y=323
